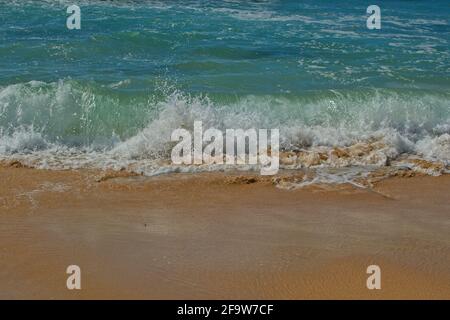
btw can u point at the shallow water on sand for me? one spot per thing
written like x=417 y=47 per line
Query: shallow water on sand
x=159 y=238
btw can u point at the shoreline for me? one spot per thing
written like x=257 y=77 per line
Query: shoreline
x=220 y=236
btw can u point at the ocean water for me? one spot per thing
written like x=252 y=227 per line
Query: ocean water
x=110 y=95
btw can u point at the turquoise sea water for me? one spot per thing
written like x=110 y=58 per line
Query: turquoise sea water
x=114 y=91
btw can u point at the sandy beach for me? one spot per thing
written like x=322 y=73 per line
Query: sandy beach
x=224 y=149
x=219 y=236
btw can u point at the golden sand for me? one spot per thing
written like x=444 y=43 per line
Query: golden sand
x=217 y=236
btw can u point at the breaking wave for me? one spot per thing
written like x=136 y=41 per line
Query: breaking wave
x=71 y=125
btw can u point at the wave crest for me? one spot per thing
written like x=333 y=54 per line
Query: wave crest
x=75 y=125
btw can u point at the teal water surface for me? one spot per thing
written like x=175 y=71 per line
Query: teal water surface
x=311 y=68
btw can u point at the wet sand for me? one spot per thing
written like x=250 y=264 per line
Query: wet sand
x=212 y=236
